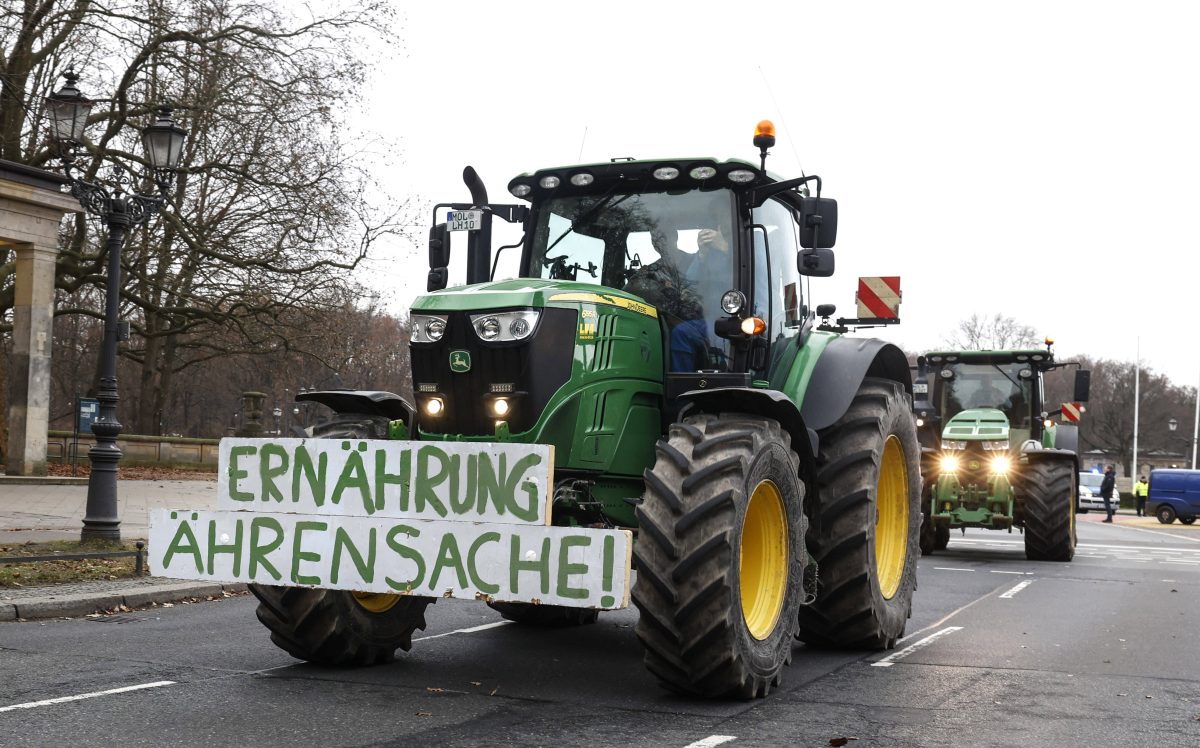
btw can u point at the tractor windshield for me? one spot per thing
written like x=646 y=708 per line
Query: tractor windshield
x=675 y=250
x=1007 y=387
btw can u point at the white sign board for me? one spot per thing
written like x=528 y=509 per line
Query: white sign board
x=457 y=481
x=577 y=567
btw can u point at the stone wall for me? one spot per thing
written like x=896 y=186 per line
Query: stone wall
x=138 y=450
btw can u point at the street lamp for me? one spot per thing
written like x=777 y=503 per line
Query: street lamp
x=1172 y=425
x=120 y=209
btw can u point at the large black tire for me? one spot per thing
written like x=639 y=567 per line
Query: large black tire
x=941 y=538
x=866 y=549
x=928 y=538
x=335 y=627
x=1049 y=509
x=720 y=556
x=546 y=616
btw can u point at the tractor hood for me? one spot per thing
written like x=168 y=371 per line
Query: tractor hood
x=528 y=292
x=979 y=424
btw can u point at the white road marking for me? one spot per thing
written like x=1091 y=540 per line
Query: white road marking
x=1004 y=543
x=710 y=741
x=994 y=571
x=891 y=659
x=1190 y=563
x=950 y=568
x=1167 y=534
x=79 y=697
x=471 y=630
x=1017 y=588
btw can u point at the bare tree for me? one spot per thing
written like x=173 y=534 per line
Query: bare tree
x=980 y=333
x=272 y=210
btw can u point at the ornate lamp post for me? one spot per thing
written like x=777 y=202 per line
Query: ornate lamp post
x=1172 y=425
x=120 y=208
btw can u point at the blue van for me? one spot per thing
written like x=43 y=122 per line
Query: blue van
x=1174 y=493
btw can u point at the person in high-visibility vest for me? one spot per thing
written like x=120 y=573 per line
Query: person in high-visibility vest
x=1140 y=490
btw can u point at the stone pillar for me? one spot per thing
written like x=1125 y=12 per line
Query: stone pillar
x=29 y=387
x=31 y=207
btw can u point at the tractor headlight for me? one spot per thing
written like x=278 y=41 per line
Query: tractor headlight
x=733 y=301
x=500 y=407
x=505 y=327
x=434 y=406
x=426 y=328
x=949 y=463
x=1001 y=465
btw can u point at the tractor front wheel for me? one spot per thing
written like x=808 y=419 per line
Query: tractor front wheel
x=1050 y=510
x=720 y=556
x=336 y=627
x=866 y=545
x=545 y=616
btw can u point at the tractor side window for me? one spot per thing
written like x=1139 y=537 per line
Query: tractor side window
x=782 y=293
x=575 y=257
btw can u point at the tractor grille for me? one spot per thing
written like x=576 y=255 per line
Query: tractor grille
x=527 y=373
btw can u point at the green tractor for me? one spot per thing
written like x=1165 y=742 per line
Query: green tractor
x=992 y=456
x=658 y=338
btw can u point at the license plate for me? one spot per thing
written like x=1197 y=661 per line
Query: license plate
x=920 y=389
x=464 y=220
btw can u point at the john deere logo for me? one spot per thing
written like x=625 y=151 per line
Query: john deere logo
x=460 y=362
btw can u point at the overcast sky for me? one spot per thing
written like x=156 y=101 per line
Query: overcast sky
x=1034 y=159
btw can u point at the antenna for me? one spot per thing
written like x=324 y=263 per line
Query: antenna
x=581 y=142
x=782 y=121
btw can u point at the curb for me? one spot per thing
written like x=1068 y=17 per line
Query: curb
x=84 y=603
x=41 y=480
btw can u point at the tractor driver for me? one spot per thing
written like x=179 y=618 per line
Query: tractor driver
x=989 y=396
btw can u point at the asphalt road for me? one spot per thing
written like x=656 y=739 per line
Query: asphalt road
x=1000 y=652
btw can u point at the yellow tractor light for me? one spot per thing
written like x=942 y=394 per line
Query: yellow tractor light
x=753 y=326
x=949 y=463
x=434 y=406
x=1001 y=465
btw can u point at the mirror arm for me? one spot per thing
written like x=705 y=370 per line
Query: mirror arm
x=760 y=195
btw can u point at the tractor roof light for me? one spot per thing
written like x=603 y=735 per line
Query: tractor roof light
x=701 y=173
x=520 y=189
x=582 y=179
x=666 y=173
x=741 y=176
x=549 y=182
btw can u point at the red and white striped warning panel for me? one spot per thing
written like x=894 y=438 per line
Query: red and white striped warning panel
x=1070 y=412
x=879 y=297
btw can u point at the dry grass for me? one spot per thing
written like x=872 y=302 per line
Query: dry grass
x=39 y=573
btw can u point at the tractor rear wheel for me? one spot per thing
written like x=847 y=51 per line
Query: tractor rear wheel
x=1050 y=510
x=866 y=546
x=336 y=627
x=546 y=616
x=720 y=556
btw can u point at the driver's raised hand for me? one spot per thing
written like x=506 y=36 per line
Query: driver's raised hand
x=712 y=239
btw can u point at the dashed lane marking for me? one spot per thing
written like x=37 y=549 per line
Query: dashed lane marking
x=950 y=568
x=1016 y=588
x=710 y=741
x=997 y=571
x=892 y=658
x=92 y=695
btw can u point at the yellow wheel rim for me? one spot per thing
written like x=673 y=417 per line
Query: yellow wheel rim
x=891 y=518
x=375 y=602
x=763 y=562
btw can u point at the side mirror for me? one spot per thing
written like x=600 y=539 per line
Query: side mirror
x=437 y=279
x=1083 y=382
x=818 y=223
x=439 y=246
x=817 y=263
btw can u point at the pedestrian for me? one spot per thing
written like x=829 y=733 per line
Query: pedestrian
x=1106 y=491
x=1140 y=490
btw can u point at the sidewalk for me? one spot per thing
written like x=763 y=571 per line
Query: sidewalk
x=51 y=510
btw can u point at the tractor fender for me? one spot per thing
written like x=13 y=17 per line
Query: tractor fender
x=1047 y=455
x=367 y=402
x=769 y=403
x=839 y=372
